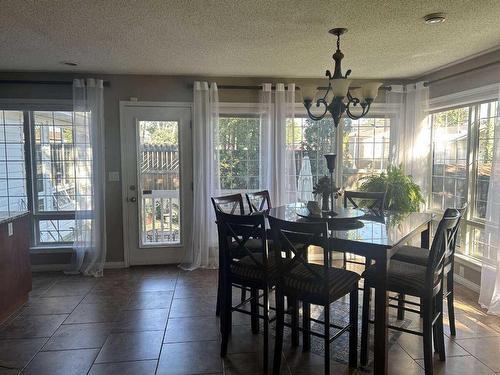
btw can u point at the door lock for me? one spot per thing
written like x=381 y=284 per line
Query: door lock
x=133 y=199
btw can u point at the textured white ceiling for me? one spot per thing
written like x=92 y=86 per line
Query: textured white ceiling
x=386 y=39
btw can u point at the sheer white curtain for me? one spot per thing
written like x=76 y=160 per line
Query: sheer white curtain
x=88 y=137
x=267 y=168
x=278 y=171
x=489 y=297
x=411 y=132
x=417 y=142
x=395 y=104
x=202 y=250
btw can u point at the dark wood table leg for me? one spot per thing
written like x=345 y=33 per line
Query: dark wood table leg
x=425 y=237
x=380 y=342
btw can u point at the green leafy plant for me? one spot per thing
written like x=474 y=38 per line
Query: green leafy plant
x=403 y=194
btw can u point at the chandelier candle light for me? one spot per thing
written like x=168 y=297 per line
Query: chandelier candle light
x=344 y=100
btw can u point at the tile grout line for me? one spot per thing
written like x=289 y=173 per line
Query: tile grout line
x=40 y=350
x=473 y=356
x=166 y=324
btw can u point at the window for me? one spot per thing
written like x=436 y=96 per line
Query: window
x=13 y=196
x=366 y=144
x=450 y=131
x=59 y=161
x=239 y=152
x=60 y=153
x=159 y=182
x=488 y=114
x=54 y=161
x=462 y=140
x=310 y=140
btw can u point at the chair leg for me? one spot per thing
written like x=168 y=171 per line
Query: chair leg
x=280 y=325
x=353 y=330
x=219 y=292
x=226 y=300
x=440 y=328
x=254 y=307
x=306 y=327
x=426 y=310
x=266 y=328
x=434 y=327
x=364 y=325
x=345 y=261
x=449 y=299
x=401 y=306
x=327 y=339
x=295 y=321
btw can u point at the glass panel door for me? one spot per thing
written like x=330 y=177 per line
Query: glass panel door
x=159 y=182
x=157 y=177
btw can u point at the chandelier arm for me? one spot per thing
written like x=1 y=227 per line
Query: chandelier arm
x=352 y=100
x=357 y=117
x=318 y=103
x=326 y=94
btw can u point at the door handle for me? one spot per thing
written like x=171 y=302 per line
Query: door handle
x=133 y=199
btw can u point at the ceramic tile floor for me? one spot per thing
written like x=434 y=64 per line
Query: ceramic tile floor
x=161 y=320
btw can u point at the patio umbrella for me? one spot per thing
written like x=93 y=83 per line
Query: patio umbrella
x=305 y=183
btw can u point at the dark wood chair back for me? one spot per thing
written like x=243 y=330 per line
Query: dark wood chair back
x=294 y=239
x=238 y=229
x=372 y=200
x=461 y=211
x=229 y=204
x=441 y=243
x=259 y=201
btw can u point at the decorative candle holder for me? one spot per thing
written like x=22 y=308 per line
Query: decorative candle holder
x=330 y=163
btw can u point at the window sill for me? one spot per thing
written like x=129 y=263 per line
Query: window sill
x=470 y=262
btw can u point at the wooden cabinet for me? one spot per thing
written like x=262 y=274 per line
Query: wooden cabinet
x=15 y=267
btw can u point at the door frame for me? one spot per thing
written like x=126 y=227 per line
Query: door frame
x=124 y=170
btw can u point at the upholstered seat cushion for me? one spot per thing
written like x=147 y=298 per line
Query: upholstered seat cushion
x=403 y=277
x=247 y=268
x=412 y=254
x=301 y=280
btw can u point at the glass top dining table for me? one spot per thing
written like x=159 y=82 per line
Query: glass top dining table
x=375 y=236
x=385 y=230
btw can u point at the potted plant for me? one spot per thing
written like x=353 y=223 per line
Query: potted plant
x=403 y=194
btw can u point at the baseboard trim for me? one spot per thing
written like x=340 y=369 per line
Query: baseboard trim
x=50 y=267
x=67 y=267
x=468 y=284
x=111 y=265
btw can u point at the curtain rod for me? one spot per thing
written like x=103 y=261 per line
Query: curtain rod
x=462 y=72
x=34 y=82
x=243 y=87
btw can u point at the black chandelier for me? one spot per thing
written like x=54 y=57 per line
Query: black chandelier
x=344 y=100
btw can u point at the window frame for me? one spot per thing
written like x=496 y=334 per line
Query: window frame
x=228 y=109
x=391 y=111
x=472 y=99
x=28 y=106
